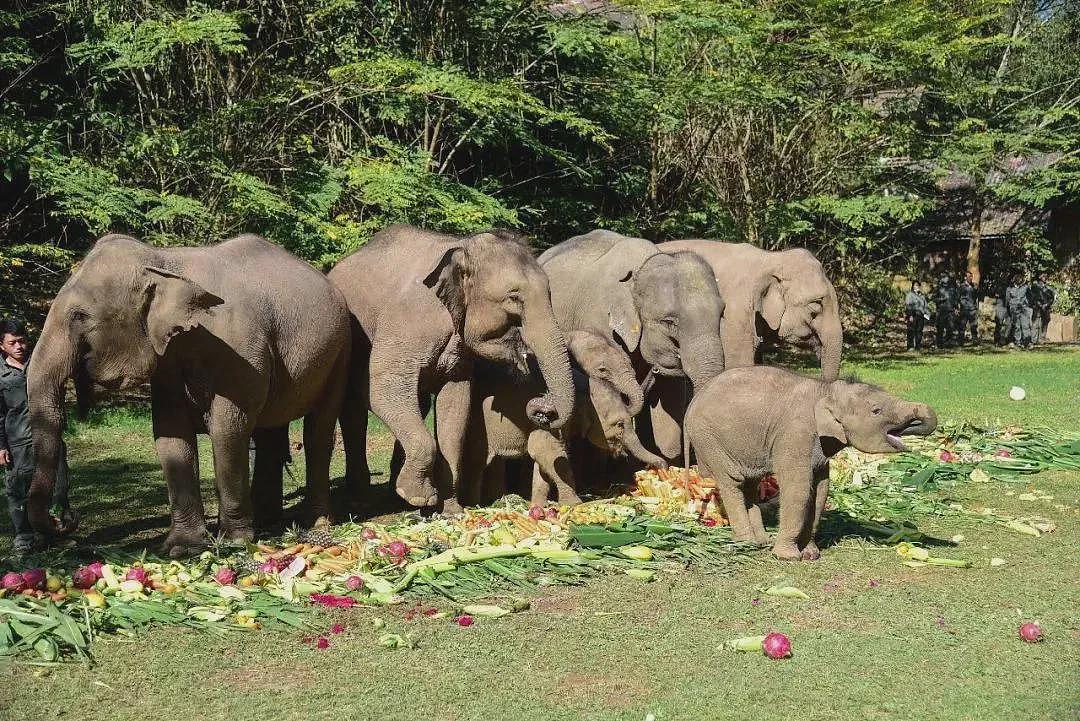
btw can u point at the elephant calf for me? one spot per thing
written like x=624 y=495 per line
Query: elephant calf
x=607 y=399
x=750 y=421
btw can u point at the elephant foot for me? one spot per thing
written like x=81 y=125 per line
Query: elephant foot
x=786 y=551
x=747 y=536
x=567 y=498
x=241 y=532
x=452 y=507
x=416 y=489
x=182 y=542
x=811 y=552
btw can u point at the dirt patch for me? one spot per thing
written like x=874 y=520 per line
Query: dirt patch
x=264 y=678
x=560 y=602
x=585 y=690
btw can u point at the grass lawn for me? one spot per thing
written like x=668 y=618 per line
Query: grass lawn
x=877 y=640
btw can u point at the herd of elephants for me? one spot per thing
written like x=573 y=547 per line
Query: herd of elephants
x=605 y=346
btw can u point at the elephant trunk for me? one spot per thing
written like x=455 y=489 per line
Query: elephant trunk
x=633 y=446
x=830 y=333
x=702 y=358
x=927 y=418
x=627 y=384
x=54 y=362
x=544 y=338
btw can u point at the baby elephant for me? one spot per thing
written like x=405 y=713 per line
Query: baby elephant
x=501 y=426
x=750 y=421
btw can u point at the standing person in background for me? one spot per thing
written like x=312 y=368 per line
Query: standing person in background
x=1002 y=323
x=1042 y=300
x=968 y=295
x=1017 y=299
x=944 y=309
x=916 y=313
x=16 y=443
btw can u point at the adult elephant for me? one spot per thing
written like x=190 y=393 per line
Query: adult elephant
x=768 y=295
x=425 y=305
x=771 y=295
x=663 y=309
x=234 y=339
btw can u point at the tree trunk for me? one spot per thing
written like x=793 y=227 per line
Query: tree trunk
x=975 y=245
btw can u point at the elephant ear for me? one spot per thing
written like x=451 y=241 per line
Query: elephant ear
x=447 y=279
x=176 y=305
x=827 y=421
x=771 y=303
x=623 y=318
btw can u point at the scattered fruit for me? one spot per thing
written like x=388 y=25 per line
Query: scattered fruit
x=1031 y=632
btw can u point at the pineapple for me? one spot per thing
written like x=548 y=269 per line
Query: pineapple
x=318 y=537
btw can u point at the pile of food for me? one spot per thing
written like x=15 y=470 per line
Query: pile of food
x=670 y=520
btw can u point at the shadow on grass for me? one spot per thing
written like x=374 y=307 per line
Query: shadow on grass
x=836 y=527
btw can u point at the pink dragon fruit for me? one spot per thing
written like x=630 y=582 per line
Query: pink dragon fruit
x=13 y=581
x=34 y=578
x=225 y=576
x=83 y=577
x=138 y=573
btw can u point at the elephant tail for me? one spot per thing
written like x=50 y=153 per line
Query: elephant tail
x=686 y=450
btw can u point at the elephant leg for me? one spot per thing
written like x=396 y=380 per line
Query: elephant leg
x=494 y=481
x=178 y=452
x=808 y=540
x=394 y=399
x=230 y=433
x=666 y=411
x=452 y=407
x=354 y=420
x=757 y=526
x=319 y=443
x=795 y=481
x=553 y=467
x=271 y=450
x=397 y=456
x=734 y=500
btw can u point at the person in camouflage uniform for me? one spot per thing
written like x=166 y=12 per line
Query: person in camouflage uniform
x=1042 y=300
x=16 y=442
x=944 y=310
x=916 y=311
x=968 y=294
x=1018 y=301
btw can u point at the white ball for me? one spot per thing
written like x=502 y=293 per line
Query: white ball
x=1017 y=393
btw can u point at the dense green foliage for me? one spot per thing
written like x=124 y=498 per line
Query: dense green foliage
x=821 y=123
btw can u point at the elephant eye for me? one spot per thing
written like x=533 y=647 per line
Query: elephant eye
x=670 y=321
x=876 y=411
x=814 y=306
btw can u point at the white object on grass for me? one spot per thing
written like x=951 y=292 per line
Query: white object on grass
x=1017 y=393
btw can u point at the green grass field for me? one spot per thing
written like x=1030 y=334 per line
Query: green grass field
x=930 y=643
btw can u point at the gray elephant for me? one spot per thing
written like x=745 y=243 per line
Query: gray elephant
x=768 y=295
x=234 y=339
x=425 y=306
x=663 y=309
x=784 y=295
x=748 y=422
x=500 y=427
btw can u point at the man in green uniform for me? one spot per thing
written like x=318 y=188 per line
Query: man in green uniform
x=944 y=310
x=968 y=294
x=1017 y=300
x=16 y=443
x=1042 y=300
x=916 y=311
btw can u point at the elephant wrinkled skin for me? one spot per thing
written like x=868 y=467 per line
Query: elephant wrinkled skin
x=234 y=339
x=425 y=306
x=748 y=422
